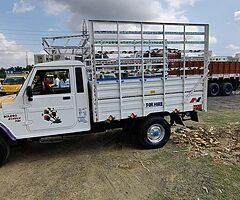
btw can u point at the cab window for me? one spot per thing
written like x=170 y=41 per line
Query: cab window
x=51 y=82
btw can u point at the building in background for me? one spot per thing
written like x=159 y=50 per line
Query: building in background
x=235 y=58
x=237 y=55
x=42 y=58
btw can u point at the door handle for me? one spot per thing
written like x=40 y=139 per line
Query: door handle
x=66 y=98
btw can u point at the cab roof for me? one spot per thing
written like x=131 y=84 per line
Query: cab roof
x=60 y=63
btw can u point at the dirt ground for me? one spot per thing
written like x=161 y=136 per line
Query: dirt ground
x=220 y=103
x=102 y=167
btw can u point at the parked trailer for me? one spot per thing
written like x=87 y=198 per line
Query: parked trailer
x=137 y=91
x=224 y=77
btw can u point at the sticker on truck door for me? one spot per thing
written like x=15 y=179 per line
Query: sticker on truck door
x=82 y=115
x=13 y=117
x=50 y=115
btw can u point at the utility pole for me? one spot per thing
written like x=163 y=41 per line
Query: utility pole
x=84 y=28
x=26 y=58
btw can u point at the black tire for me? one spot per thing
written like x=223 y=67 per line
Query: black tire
x=4 y=151
x=226 y=89
x=162 y=128
x=2 y=93
x=213 y=89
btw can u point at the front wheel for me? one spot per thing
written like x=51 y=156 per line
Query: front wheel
x=154 y=132
x=4 y=150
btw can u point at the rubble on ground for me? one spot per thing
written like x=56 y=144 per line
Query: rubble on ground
x=220 y=143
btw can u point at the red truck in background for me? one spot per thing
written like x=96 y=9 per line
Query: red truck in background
x=223 y=76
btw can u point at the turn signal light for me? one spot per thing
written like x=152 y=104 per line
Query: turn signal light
x=176 y=110
x=133 y=116
x=110 y=118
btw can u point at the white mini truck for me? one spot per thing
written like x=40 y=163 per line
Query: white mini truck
x=144 y=80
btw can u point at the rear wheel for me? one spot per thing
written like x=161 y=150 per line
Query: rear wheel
x=213 y=89
x=154 y=132
x=226 y=89
x=4 y=150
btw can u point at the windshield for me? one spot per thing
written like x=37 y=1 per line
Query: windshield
x=13 y=80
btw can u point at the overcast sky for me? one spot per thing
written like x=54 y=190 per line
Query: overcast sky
x=24 y=22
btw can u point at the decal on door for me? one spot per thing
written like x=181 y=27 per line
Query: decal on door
x=13 y=117
x=82 y=115
x=50 y=115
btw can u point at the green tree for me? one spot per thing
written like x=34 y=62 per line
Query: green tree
x=2 y=73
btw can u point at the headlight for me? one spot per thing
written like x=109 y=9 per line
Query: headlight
x=1 y=88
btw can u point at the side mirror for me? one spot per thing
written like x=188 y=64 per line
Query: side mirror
x=29 y=93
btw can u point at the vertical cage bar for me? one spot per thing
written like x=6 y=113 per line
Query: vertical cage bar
x=206 y=63
x=184 y=66
x=102 y=49
x=143 y=80
x=164 y=69
x=119 y=71
x=94 y=78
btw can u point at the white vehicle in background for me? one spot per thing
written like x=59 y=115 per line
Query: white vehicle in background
x=139 y=103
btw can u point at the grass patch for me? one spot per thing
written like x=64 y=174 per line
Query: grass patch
x=220 y=117
x=200 y=179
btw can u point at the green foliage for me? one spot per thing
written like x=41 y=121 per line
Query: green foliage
x=2 y=73
x=20 y=69
x=28 y=68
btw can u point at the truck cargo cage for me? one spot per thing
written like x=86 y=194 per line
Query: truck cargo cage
x=146 y=67
x=66 y=47
x=140 y=67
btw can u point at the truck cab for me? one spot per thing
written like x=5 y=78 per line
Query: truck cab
x=43 y=109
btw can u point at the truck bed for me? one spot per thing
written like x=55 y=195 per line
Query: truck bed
x=151 y=101
x=139 y=68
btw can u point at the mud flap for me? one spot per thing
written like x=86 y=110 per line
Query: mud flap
x=194 y=116
x=174 y=117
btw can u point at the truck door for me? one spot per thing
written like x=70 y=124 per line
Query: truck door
x=53 y=104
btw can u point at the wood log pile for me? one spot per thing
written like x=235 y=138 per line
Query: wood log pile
x=222 y=144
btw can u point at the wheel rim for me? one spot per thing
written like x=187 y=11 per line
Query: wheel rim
x=155 y=133
x=228 y=89
x=215 y=90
